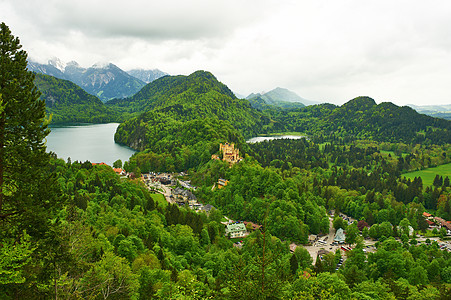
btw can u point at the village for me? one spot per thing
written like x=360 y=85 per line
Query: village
x=178 y=190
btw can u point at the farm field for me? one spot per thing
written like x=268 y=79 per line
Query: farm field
x=429 y=174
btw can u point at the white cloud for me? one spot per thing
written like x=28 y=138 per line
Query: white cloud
x=396 y=51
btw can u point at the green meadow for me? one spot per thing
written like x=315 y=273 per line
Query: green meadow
x=429 y=174
x=160 y=199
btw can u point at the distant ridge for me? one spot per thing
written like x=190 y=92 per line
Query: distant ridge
x=437 y=111
x=362 y=118
x=278 y=98
x=104 y=80
x=147 y=76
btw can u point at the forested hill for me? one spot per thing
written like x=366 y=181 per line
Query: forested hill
x=363 y=118
x=185 y=118
x=68 y=103
x=185 y=98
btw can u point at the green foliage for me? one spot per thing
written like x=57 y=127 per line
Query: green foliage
x=361 y=118
x=13 y=257
x=173 y=145
x=68 y=103
x=29 y=197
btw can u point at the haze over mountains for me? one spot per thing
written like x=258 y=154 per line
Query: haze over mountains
x=278 y=97
x=106 y=81
x=437 y=111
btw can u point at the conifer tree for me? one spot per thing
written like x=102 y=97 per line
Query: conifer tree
x=22 y=131
x=27 y=189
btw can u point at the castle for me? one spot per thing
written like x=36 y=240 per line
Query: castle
x=229 y=153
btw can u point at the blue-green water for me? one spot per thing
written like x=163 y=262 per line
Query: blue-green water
x=93 y=142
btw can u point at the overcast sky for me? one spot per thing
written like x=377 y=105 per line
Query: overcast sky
x=328 y=51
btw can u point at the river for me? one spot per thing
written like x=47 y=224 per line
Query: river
x=93 y=142
x=258 y=139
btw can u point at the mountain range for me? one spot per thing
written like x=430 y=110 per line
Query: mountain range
x=436 y=111
x=162 y=109
x=278 y=98
x=106 y=81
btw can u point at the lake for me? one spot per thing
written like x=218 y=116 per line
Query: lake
x=93 y=142
x=258 y=139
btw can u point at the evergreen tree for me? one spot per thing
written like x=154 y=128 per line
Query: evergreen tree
x=27 y=188
x=293 y=264
x=446 y=182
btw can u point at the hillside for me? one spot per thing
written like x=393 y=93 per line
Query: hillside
x=185 y=98
x=68 y=103
x=185 y=118
x=362 y=118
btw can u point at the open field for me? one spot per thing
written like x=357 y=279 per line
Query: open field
x=429 y=174
x=159 y=198
x=404 y=154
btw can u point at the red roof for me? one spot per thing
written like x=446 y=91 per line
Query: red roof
x=100 y=164
x=430 y=222
x=427 y=215
x=118 y=170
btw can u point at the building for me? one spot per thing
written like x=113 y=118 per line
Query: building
x=222 y=183
x=339 y=236
x=427 y=215
x=229 y=153
x=182 y=195
x=443 y=223
x=207 y=208
x=119 y=171
x=235 y=230
x=253 y=226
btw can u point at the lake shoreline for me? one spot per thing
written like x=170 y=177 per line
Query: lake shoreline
x=259 y=139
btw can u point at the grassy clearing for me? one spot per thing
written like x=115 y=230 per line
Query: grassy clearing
x=386 y=153
x=160 y=199
x=429 y=174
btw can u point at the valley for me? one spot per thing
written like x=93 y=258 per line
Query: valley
x=193 y=210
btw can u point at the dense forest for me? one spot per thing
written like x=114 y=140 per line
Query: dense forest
x=66 y=102
x=361 y=118
x=75 y=230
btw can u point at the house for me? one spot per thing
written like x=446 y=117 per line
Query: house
x=207 y=208
x=235 y=230
x=293 y=247
x=99 y=164
x=252 y=225
x=222 y=183
x=427 y=215
x=430 y=223
x=119 y=171
x=182 y=194
x=443 y=223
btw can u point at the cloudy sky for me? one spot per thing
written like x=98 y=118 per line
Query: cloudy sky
x=398 y=51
